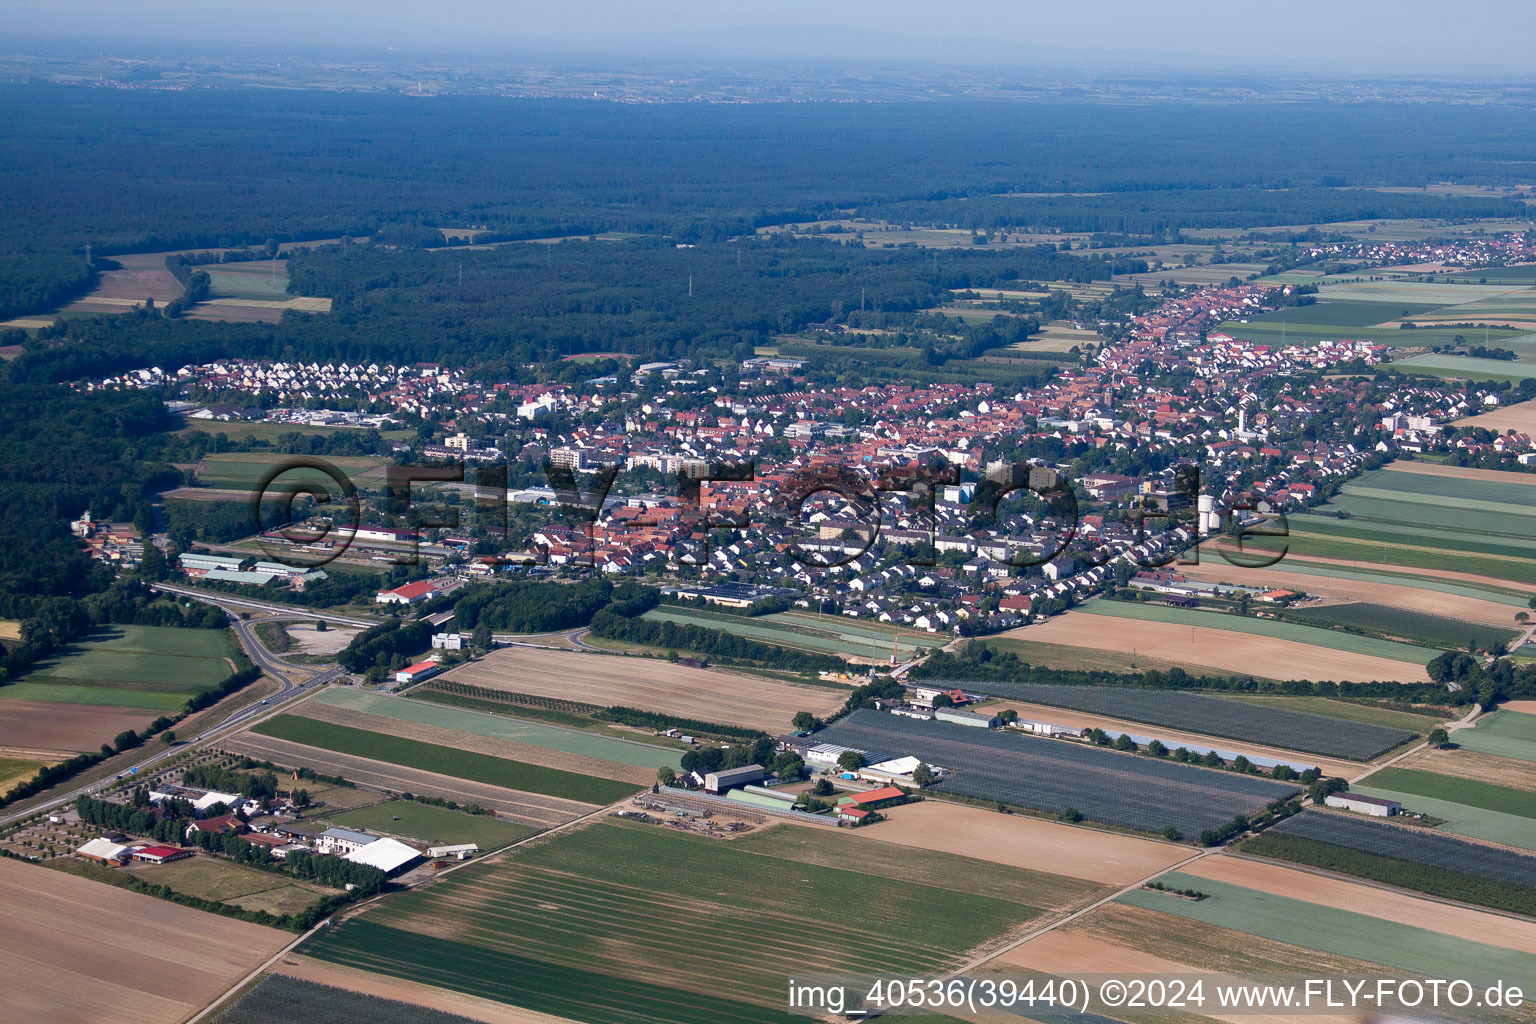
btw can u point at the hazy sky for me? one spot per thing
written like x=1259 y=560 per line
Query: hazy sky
x=1465 y=33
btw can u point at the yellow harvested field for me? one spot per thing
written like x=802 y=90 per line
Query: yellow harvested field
x=10 y=629
x=1408 y=598
x=1527 y=706
x=1024 y=842
x=1386 y=904
x=1223 y=649
x=1173 y=737
x=1068 y=952
x=78 y=950
x=443 y=1001
x=1520 y=417
x=706 y=694
x=495 y=746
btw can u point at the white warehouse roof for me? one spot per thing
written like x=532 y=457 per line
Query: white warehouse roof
x=385 y=854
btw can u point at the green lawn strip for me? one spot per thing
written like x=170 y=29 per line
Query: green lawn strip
x=563 y=991
x=1405 y=874
x=1504 y=733
x=1462 y=819
x=432 y=825
x=1471 y=792
x=1333 y=930
x=501 y=727
x=63 y=693
x=1311 y=635
x=1426 y=487
x=1393 y=530
x=462 y=764
x=1444 y=558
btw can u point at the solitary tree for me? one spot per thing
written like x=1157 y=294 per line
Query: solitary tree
x=922 y=775
x=1071 y=814
x=1439 y=738
x=1172 y=834
x=850 y=760
x=665 y=775
x=943 y=700
x=803 y=720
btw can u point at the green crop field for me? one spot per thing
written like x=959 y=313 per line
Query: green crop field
x=1471 y=792
x=1463 y=804
x=461 y=764
x=1369 y=714
x=435 y=826
x=1414 y=627
x=1504 y=733
x=158 y=668
x=1442 y=364
x=551 y=737
x=831 y=635
x=1312 y=635
x=246 y=470
x=1333 y=930
x=632 y=924
x=1302 y=568
x=1085 y=659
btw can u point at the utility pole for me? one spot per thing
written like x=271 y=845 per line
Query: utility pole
x=690 y=286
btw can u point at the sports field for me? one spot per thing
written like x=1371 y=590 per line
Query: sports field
x=603 y=925
x=431 y=825
x=153 y=667
x=463 y=764
x=1504 y=734
x=710 y=695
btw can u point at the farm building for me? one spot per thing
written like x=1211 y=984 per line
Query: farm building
x=388 y=855
x=715 y=782
x=971 y=718
x=772 y=794
x=417 y=672
x=345 y=840
x=410 y=593
x=448 y=641
x=160 y=854
x=874 y=798
x=104 y=851
x=1372 y=805
x=458 y=850
x=851 y=815
x=760 y=798
x=925 y=695
x=827 y=753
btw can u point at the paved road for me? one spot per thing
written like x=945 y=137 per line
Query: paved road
x=225 y=601
x=278 y=669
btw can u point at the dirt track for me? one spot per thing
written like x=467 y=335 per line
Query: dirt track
x=1025 y=842
x=458 y=740
x=1224 y=649
x=1403 y=596
x=78 y=950
x=710 y=695
x=514 y=805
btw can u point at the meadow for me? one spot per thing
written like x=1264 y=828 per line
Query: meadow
x=1393 y=718
x=1503 y=733
x=248 y=888
x=598 y=924
x=825 y=635
x=1397 y=623
x=157 y=668
x=429 y=824
x=244 y=471
x=463 y=764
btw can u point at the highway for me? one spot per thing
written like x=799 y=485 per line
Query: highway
x=287 y=610
x=273 y=666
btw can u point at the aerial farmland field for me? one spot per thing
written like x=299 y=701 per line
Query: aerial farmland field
x=711 y=695
x=1477 y=810
x=827 y=634
x=1503 y=733
x=599 y=925
x=428 y=824
x=1120 y=789
x=239 y=471
x=465 y=764
x=129 y=666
